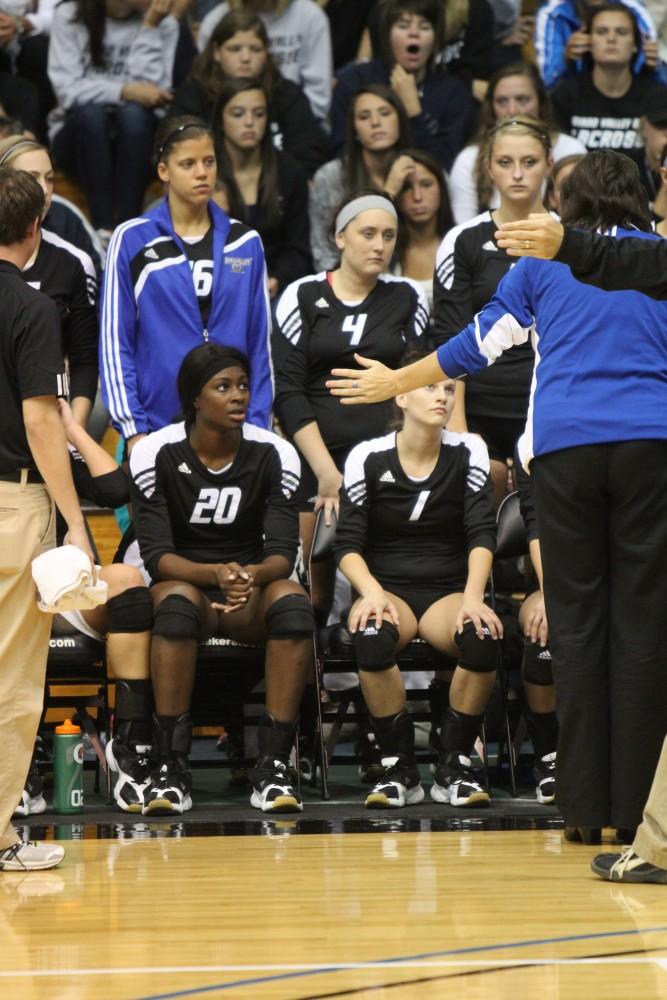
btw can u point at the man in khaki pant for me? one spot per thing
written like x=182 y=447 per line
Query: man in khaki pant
x=646 y=860
x=34 y=472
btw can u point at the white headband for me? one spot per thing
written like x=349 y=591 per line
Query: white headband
x=363 y=204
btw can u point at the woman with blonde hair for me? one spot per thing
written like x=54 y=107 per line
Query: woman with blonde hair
x=514 y=90
x=469 y=266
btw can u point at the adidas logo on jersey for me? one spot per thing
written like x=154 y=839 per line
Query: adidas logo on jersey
x=387 y=477
x=184 y=467
x=322 y=304
x=490 y=245
x=151 y=254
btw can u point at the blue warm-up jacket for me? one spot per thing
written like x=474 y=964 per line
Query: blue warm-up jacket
x=151 y=317
x=600 y=357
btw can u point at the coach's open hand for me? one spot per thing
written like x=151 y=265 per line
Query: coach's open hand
x=372 y=383
x=537 y=236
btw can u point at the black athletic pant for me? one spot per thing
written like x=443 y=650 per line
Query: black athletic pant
x=602 y=517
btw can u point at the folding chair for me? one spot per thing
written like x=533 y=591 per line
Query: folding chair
x=511 y=542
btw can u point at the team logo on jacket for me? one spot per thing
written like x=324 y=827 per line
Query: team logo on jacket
x=238 y=264
x=151 y=254
x=387 y=477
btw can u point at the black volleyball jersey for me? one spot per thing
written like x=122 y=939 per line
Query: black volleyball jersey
x=316 y=332
x=468 y=268
x=241 y=514
x=67 y=276
x=417 y=533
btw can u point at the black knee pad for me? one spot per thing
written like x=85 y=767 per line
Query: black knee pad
x=134 y=700
x=536 y=666
x=177 y=618
x=478 y=655
x=290 y=617
x=375 y=648
x=131 y=611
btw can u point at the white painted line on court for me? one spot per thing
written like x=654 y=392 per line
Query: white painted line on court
x=385 y=965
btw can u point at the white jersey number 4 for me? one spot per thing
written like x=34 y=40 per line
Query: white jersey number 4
x=355 y=325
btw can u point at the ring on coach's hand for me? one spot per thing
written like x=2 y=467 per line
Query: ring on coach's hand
x=526 y=244
x=355 y=385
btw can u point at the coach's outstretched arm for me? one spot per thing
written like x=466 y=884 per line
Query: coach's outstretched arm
x=374 y=382
x=629 y=264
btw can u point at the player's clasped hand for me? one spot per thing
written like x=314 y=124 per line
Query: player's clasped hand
x=373 y=383
x=371 y=607
x=236 y=584
x=479 y=614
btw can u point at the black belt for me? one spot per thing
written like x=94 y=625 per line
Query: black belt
x=15 y=477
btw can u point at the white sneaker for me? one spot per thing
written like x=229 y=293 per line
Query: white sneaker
x=30 y=805
x=399 y=786
x=34 y=856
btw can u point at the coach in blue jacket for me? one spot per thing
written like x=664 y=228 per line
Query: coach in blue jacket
x=181 y=275
x=596 y=441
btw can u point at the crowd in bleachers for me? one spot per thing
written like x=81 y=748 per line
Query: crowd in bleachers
x=328 y=178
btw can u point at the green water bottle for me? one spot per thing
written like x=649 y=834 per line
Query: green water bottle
x=68 y=769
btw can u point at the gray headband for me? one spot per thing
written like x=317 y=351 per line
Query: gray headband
x=363 y=204
x=22 y=146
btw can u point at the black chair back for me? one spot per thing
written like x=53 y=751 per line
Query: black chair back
x=512 y=539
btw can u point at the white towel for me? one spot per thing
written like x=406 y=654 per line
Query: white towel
x=65 y=581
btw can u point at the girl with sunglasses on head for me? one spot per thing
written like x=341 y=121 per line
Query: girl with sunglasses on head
x=516 y=89
x=469 y=267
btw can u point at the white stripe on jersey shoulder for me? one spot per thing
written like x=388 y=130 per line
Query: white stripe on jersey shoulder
x=158 y=265
x=444 y=254
x=289 y=300
x=416 y=287
x=84 y=259
x=158 y=239
x=144 y=454
x=356 y=460
x=251 y=234
x=290 y=462
x=479 y=453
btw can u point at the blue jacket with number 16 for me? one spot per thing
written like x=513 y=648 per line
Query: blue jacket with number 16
x=151 y=317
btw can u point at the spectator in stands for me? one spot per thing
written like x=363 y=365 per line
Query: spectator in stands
x=424 y=217
x=259 y=185
x=660 y=203
x=514 y=90
x=602 y=105
x=466 y=46
x=239 y=47
x=415 y=538
x=347 y=20
x=300 y=43
x=377 y=130
x=512 y=31
x=563 y=38
x=355 y=307
x=653 y=131
x=24 y=43
x=67 y=275
x=110 y=64
x=438 y=105
x=125 y=620
x=658 y=11
x=182 y=274
x=469 y=266
x=219 y=544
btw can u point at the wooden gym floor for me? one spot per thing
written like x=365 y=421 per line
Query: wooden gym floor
x=370 y=915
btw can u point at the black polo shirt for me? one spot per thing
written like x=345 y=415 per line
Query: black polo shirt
x=31 y=362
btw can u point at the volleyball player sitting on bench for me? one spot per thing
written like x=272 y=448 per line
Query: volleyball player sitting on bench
x=415 y=539
x=218 y=533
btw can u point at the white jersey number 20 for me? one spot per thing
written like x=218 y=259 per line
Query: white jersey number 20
x=218 y=506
